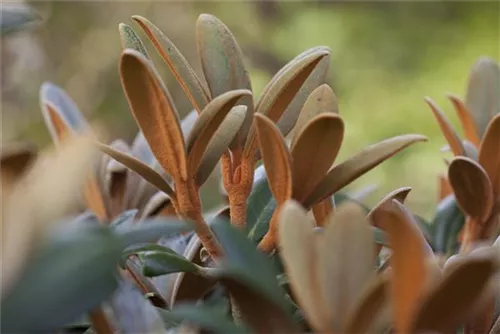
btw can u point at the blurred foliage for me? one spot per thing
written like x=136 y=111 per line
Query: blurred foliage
x=386 y=56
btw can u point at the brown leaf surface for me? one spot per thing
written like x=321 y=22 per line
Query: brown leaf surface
x=489 y=154
x=154 y=112
x=466 y=120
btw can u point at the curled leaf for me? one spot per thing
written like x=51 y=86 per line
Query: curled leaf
x=276 y=158
x=154 y=112
x=130 y=40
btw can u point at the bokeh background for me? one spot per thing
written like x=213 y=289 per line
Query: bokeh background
x=386 y=57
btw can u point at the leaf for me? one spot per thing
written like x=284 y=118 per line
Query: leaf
x=281 y=92
x=317 y=77
x=483 y=100
x=140 y=168
x=261 y=226
x=465 y=117
x=408 y=261
x=157 y=204
x=489 y=154
x=349 y=170
x=60 y=112
x=207 y=124
x=220 y=141
x=258 y=199
x=374 y=297
x=448 y=305
x=399 y=194
x=447 y=213
x=176 y=62
x=346 y=260
x=206 y=317
x=444 y=187
x=222 y=64
x=321 y=100
x=46 y=297
x=163 y=263
x=447 y=129
x=276 y=158
x=133 y=312
x=125 y=218
x=130 y=40
x=472 y=188
x=16 y=17
x=16 y=158
x=151 y=230
x=324 y=133
x=297 y=243
x=154 y=112
x=259 y=297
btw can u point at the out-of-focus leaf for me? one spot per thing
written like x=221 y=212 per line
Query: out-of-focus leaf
x=448 y=131
x=489 y=154
x=16 y=158
x=130 y=40
x=449 y=304
x=447 y=214
x=176 y=62
x=64 y=271
x=282 y=89
x=374 y=297
x=222 y=63
x=126 y=218
x=151 y=230
x=344 y=173
x=259 y=297
x=483 y=100
x=408 y=261
x=472 y=188
x=277 y=159
x=300 y=256
x=206 y=317
x=133 y=312
x=466 y=120
x=158 y=204
x=324 y=133
x=16 y=17
x=154 y=112
x=346 y=260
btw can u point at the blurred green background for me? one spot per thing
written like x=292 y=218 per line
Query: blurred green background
x=386 y=57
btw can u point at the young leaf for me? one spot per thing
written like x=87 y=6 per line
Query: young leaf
x=483 y=100
x=408 y=261
x=447 y=129
x=220 y=141
x=162 y=263
x=281 y=93
x=489 y=154
x=472 y=188
x=259 y=197
x=346 y=260
x=207 y=124
x=321 y=100
x=297 y=243
x=140 y=168
x=222 y=63
x=130 y=40
x=154 y=112
x=176 y=62
x=448 y=305
x=324 y=133
x=465 y=117
x=276 y=158
x=344 y=173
